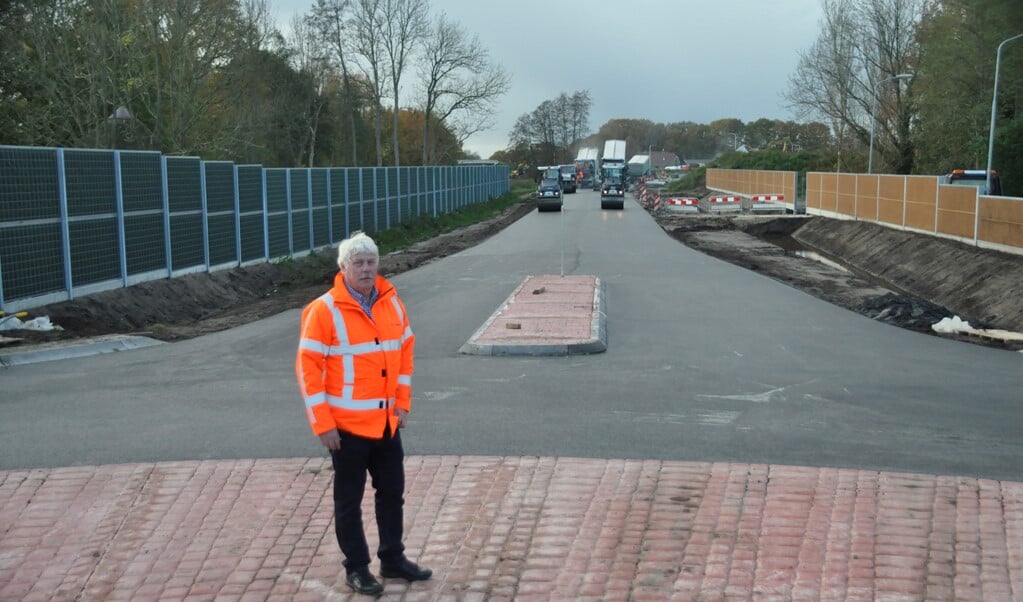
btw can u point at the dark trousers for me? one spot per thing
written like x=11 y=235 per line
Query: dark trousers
x=383 y=459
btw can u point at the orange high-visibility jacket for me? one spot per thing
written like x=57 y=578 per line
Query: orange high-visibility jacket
x=354 y=371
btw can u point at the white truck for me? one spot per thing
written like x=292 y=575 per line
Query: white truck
x=613 y=173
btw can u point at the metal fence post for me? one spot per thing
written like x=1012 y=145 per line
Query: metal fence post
x=165 y=193
x=287 y=198
x=122 y=253
x=309 y=206
x=65 y=228
x=433 y=172
x=387 y=199
x=362 y=200
x=237 y=216
x=330 y=210
x=205 y=216
x=266 y=215
x=376 y=199
x=345 y=205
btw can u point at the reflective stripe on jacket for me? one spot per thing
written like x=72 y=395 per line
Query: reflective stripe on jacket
x=354 y=371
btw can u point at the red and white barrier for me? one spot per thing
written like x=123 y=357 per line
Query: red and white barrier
x=686 y=204
x=767 y=203
x=726 y=203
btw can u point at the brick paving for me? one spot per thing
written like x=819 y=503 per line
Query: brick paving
x=513 y=528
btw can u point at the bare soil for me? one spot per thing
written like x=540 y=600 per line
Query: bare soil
x=950 y=278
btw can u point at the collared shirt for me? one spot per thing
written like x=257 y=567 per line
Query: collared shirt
x=366 y=301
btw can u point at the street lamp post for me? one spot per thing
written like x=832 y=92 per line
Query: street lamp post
x=873 y=117
x=994 y=103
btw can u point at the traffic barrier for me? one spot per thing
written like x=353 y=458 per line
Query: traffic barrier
x=725 y=203
x=762 y=203
x=683 y=204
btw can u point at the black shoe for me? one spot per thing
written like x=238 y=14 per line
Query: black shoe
x=405 y=569
x=364 y=583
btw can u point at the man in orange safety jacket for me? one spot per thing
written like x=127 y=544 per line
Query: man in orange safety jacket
x=354 y=369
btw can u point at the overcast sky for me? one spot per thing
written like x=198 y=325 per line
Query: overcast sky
x=662 y=60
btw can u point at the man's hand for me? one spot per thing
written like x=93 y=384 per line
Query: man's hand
x=402 y=417
x=331 y=440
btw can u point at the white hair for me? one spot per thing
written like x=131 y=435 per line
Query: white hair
x=356 y=244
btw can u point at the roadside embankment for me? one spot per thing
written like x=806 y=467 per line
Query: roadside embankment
x=980 y=285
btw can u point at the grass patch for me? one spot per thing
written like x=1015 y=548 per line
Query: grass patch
x=426 y=227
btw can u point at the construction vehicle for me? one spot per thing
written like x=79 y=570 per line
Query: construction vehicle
x=586 y=168
x=568 y=182
x=614 y=174
x=639 y=167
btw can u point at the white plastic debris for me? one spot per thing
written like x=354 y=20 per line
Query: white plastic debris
x=952 y=325
x=15 y=323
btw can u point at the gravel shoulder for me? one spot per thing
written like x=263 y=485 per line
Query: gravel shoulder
x=947 y=278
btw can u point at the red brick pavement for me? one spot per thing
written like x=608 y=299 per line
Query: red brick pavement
x=514 y=528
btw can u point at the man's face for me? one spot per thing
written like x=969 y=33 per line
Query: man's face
x=360 y=271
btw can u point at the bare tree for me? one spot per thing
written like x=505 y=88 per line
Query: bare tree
x=404 y=26
x=311 y=61
x=554 y=125
x=845 y=73
x=332 y=21
x=579 y=115
x=368 y=32
x=459 y=83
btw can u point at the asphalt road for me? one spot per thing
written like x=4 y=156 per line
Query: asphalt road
x=705 y=361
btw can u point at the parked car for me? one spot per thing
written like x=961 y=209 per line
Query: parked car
x=548 y=195
x=976 y=178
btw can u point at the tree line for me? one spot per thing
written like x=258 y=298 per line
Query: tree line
x=351 y=82
x=554 y=131
x=919 y=75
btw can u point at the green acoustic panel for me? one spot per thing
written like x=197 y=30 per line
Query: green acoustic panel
x=141 y=181
x=250 y=188
x=277 y=230
x=252 y=237
x=319 y=181
x=89 y=179
x=184 y=186
x=300 y=230
x=186 y=242
x=321 y=229
x=325 y=205
x=299 y=189
x=367 y=208
x=144 y=246
x=276 y=190
x=219 y=186
x=222 y=239
x=338 y=202
x=32 y=261
x=94 y=254
x=28 y=184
